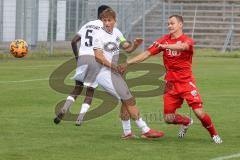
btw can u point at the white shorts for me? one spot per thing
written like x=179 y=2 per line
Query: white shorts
x=114 y=84
x=87 y=71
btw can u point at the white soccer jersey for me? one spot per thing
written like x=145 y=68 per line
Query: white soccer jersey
x=109 y=43
x=88 y=34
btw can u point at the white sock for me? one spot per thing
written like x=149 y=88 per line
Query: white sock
x=70 y=100
x=84 y=108
x=142 y=125
x=126 y=127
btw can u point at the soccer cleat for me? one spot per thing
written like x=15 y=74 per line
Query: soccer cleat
x=129 y=136
x=78 y=123
x=216 y=139
x=58 y=119
x=183 y=129
x=152 y=134
x=79 y=119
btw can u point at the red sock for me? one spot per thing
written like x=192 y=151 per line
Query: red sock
x=179 y=119
x=207 y=123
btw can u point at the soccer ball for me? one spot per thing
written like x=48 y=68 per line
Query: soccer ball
x=18 y=48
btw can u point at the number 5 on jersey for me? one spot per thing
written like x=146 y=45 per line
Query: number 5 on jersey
x=89 y=38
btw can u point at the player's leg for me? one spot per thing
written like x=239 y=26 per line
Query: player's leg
x=86 y=105
x=134 y=114
x=208 y=124
x=88 y=76
x=73 y=96
x=69 y=101
x=171 y=103
x=141 y=124
x=116 y=86
x=126 y=123
x=105 y=82
x=194 y=100
x=129 y=101
x=79 y=79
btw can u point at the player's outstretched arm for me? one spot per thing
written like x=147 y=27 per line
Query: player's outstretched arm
x=137 y=59
x=74 y=42
x=130 y=47
x=176 y=47
x=102 y=60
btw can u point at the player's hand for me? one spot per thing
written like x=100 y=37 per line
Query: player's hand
x=114 y=68
x=122 y=68
x=138 y=41
x=161 y=46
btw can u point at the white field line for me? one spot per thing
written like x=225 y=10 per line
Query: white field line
x=227 y=157
x=23 y=81
x=29 y=67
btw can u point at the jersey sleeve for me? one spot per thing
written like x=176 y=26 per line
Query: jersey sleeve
x=190 y=42
x=122 y=39
x=80 y=32
x=154 y=49
x=120 y=36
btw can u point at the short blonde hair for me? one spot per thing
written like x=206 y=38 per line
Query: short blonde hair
x=107 y=13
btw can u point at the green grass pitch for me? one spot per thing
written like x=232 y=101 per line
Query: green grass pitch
x=27 y=131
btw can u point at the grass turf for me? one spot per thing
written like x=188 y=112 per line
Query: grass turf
x=27 y=110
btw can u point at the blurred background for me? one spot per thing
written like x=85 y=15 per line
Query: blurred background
x=50 y=25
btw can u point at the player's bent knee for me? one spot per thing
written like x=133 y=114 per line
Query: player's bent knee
x=135 y=116
x=169 y=118
x=76 y=91
x=124 y=116
x=196 y=105
x=132 y=110
x=129 y=102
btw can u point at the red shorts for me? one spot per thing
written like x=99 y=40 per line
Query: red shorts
x=175 y=94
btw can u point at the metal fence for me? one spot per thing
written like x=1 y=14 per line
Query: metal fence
x=53 y=22
x=211 y=25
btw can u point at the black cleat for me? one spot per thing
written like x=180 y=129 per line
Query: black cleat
x=78 y=124
x=58 y=119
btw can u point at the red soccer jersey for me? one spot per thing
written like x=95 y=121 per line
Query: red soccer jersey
x=178 y=64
